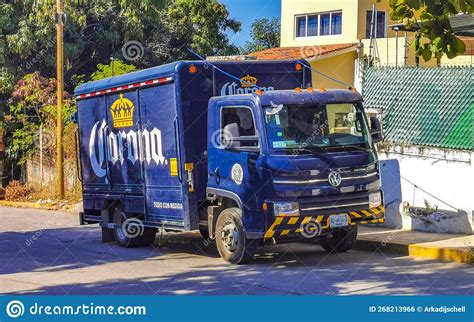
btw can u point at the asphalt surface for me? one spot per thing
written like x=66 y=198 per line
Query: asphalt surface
x=47 y=252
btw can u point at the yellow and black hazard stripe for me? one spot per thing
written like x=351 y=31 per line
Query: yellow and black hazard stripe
x=286 y=225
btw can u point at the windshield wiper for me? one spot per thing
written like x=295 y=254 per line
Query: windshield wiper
x=348 y=146
x=311 y=150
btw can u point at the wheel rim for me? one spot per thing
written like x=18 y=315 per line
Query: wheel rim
x=230 y=236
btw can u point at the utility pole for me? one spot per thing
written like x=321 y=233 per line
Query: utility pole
x=112 y=66
x=60 y=83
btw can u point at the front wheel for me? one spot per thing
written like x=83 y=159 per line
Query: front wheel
x=231 y=242
x=341 y=240
x=129 y=231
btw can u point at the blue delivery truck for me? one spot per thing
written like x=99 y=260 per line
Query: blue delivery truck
x=247 y=152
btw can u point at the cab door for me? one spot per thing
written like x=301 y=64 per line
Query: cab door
x=234 y=152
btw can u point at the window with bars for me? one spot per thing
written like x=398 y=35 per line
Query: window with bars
x=380 y=25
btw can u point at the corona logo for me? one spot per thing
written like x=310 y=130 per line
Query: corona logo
x=122 y=112
x=122 y=147
x=248 y=81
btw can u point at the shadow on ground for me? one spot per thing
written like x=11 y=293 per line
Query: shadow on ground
x=74 y=261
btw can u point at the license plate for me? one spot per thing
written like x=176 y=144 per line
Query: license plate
x=340 y=220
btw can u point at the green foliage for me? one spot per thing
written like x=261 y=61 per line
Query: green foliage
x=198 y=24
x=33 y=106
x=119 y=68
x=435 y=36
x=97 y=30
x=94 y=31
x=265 y=34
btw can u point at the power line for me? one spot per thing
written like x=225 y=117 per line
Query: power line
x=221 y=70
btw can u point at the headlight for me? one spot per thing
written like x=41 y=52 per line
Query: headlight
x=286 y=208
x=375 y=199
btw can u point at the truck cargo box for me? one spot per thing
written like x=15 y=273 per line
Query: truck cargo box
x=143 y=135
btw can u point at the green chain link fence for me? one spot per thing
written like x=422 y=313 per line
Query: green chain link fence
x=426 y=106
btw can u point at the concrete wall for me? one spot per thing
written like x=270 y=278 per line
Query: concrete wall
x=411 y=176
x=446 y=174
x=44 y=177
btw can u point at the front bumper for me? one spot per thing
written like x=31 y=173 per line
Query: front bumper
x=289 y=226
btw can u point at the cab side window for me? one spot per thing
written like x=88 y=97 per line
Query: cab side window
x=237 y=124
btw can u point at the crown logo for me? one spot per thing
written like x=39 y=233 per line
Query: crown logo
x=248 y=81
x=122 y=112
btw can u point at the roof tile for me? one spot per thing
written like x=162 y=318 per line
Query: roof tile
x=303 y=52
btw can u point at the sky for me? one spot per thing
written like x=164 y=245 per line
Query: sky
x=247 y=11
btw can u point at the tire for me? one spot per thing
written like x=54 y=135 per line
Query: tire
x=341 y=240
x=231 y=242
x=136 y=236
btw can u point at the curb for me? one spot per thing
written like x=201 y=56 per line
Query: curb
x=32 y=205
x=463 y=255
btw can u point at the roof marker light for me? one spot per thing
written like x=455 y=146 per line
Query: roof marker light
x=259 y=92
x=310 y=90
x=298 y=90
x=322 y=89
x=193 y=69
x=298 y=67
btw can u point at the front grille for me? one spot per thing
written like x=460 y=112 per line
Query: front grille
x=334 y=203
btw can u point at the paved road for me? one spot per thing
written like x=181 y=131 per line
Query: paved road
x=45 y=252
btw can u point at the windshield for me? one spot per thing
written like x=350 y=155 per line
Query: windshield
x=316 y=127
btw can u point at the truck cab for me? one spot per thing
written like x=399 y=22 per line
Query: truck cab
x=290 y=164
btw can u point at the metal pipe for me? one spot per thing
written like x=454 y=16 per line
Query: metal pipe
x=60 y=95
x=396 y=46
x=405 y=57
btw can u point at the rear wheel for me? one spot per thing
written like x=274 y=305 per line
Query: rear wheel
x=231 y=242
x=130 y=232
x=341 y=240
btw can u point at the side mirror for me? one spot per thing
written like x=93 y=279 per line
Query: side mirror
x=375 y=129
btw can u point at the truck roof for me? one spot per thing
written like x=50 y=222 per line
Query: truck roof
x=152 y=74
x=329 y=96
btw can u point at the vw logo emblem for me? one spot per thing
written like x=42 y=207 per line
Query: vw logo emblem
x=334 y=178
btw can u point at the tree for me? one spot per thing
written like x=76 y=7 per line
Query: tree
x=119 y=68
x=159 y=30
x=33 y=107
x=435 y=36
x=265 y=34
